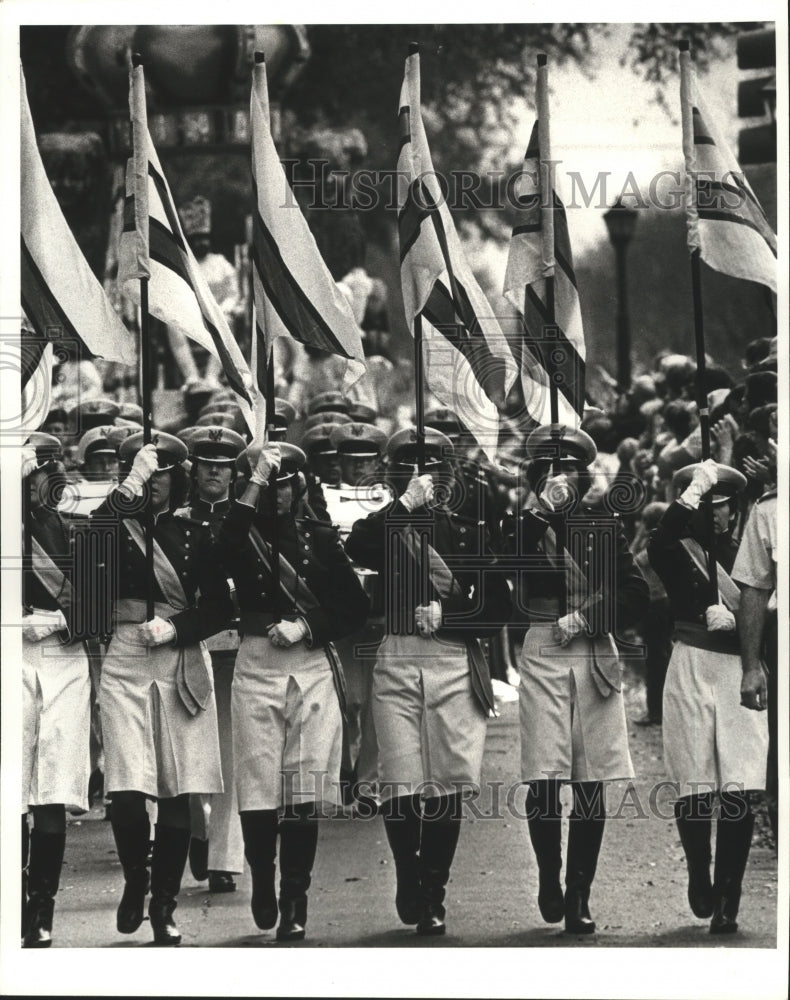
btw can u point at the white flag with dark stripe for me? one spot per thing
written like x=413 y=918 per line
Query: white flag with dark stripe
x=724 y=219
x=295 y=295
x=36 y=361
x=61 y=296
x=551 y=344
x=469 y=365
x=178 y=293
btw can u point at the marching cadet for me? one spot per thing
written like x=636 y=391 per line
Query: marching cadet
x=284 y=416
x=97 y=460
x=55 y=690
x=159 y=716
x=287 y=686
x=431 y=689
x=715 y=739
x=358 y=494
x=216 y=850
x=322 y=460
x=322 y=466
x=479 y=496
x=573 y=724
x=83 y=417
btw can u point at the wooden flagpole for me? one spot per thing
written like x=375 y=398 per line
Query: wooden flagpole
x=547 y=226
x=687 y=99
x=271 y=497
x=145 y=381
x=547 y=237
x=419 y=389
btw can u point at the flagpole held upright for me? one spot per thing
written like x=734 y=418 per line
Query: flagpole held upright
x=139 y=168
x=272 y=490
x=687 y=104
x=260 y=90
x=547 y=223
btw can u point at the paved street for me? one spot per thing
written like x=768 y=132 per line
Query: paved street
x=638 y=899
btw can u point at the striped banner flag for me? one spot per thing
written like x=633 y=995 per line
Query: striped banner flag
x=468 y=363
x=553 y=347
x=294 y=293
x=36 y=362
x=67 y=308
x=178 y=294
x=724 y=220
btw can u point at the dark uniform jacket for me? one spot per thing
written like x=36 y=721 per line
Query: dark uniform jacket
x=686 y=586
x=55 y=535
x=189 y=548
x=482 y=606
x=210 y=514
x=314 y=551
x=596 y=541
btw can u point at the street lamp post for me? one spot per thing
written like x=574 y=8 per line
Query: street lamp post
x=620 y=223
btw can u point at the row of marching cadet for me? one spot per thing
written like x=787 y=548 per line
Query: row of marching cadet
x=205 y=707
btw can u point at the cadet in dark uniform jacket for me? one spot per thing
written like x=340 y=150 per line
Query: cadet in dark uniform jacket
x=287 y=685
x=216 y=850
x=55 y=686
x=713 y=742
x=159 y=715
x=573 y=724
x=431 y=688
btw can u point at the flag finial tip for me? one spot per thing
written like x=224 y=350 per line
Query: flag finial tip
x=414 y=48
x=542 y=59
x=259 y=57
x=137 y=59
x=683 y=45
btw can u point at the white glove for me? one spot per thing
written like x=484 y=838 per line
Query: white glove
x=286 y=633
x=42 y=624
x=29 y=461
x=556 y=492
x=268 y=462
x=719 y=618
x=568 y=627
x=428 y=618
x=144 y=466
x=419 y=492
x=704 y=478
x=157 y=632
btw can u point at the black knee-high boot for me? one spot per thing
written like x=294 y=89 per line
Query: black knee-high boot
x=402 y=826
x=545 y=832
x=298 y=844
x=132 y=845
x=585 y=834
x=733 y=842
x=171 y=847
x=44 y=867
x=441 y=826
x=25 y=858
x=693 y=818
x=259 y=829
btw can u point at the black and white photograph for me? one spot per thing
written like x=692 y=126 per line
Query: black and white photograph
x=394 y=438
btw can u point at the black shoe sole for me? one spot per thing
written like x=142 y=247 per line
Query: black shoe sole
x=165 y=941
x=724 y=928
x=37 y=944
x=290 y=936
x=432 y=931
x=583 y=929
